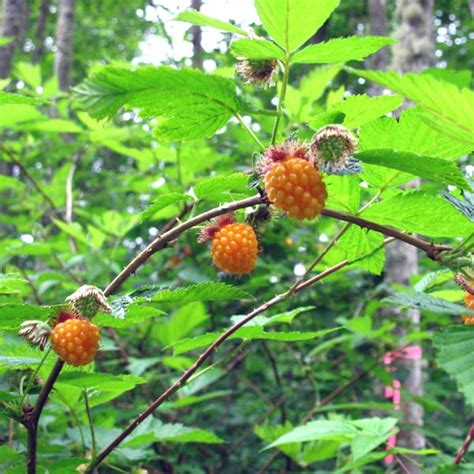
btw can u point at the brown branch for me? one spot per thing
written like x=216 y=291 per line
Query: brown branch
x=31 y=417
x=276 y=374
x=465 y=445
x=199 y=361
x=170 y=235
x=431 y=250
x=161 y=241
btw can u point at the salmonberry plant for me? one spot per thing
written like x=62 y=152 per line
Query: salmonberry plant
x=267 y=227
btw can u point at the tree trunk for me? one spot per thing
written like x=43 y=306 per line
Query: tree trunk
x=413 y=52
x=40 y=30
x=64 y=30
x=196 y=37
x=378 y=27
x=13 y=26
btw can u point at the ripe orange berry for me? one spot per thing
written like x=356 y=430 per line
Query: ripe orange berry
x=234 y=248
x=75 y=341
x=469 y=302
x=296 y=187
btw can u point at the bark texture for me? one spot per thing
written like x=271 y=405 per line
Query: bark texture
x=64 y=35
x=413 y=52
x=14 y=22
x=378 y=27
x=40 y=30
x=196 y=37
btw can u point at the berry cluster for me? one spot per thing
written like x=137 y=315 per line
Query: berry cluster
x=293 y=184
x=296 y=187
x=234 y=245
x=76 y=341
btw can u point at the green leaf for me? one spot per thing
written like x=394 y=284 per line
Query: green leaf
x=221 y=188
x=365 y=434
x=61 y=466
x=29 y=73
x=341 y=50
x=248 y=333
x=189 y=103
x=152 y=430
x=286 y=317
x=441 y=171
x=183 y=321
x=193 y=400
x=361 y=109
x=374 y=432
x=52 y=126
x=12 y=315
x=428 y=303
x=8 y=98
x=162 y=202
x=458 y=77
x=6 y=40
x=357 y=242
x=177 y=433
x=269 y=433
x=256 y=49
x=136 y=313
x=197 y=18
x=455 y=354
x=211 y=291
x=299 y=102
x=420 y=212
x=291 y=22
x=447 y=107
x=100 y=381
x=317 y=430
x=411 y=134
x=22 y=356
x=343 y=193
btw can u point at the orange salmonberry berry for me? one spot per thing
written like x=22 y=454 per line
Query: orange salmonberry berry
x=75 y=341
x=295 y=186
x=469 y=302
x=234 y=248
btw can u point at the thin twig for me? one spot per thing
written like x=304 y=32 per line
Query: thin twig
x=433 y=251
x=250 y=131
x=199 y=361
x=160 y=242
x=68 y=213
x=166 y=237
x=91 y=424
x=33 y=377
x=14 y=159
x=11 y=432
x=465 y=445
x=276 y=374
x=281 y=99
x=36 y=295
